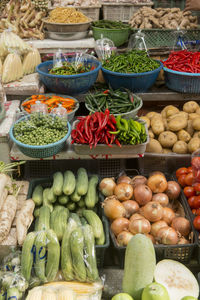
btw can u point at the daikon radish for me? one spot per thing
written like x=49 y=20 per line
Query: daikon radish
x=3 y=197
x=11 y=239
x=3 y=183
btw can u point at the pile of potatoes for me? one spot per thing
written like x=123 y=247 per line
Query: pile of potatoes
x=173 y=130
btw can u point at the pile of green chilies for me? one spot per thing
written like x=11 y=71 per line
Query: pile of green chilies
x=135 y=61
x=118 y=101
x=109 y=24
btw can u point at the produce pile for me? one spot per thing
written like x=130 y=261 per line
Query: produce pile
x=71 y=68
x=118 y=101
x=104 y=128
x=52 y=101
x=23 y=18
x=183 y=61
x=163 y=18
x=16 y=213
x=174 y=130
x=68 y=15
x=109 y=24
x=148 y=206
x=134 y=61
x=65 y=3
x=40 y=129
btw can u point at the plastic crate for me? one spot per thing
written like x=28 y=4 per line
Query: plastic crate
x=169 y=3
x=121 y=11
x=100 y=249
x=91 y=12
x=182 y=253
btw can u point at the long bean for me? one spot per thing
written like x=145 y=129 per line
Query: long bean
x=109 y=24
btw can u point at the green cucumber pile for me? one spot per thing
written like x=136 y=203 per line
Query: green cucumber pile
x=40 y=129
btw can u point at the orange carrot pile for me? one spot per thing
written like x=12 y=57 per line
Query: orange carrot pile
x=51 y=101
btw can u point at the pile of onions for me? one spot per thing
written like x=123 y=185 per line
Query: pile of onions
x=161 y=198
x=173 y=190
x=123 y=191
x=168 y=215
x=124 y=179
x=157 y=182
x=155 y=227
x=119 y=225
x=131 y=207
x=138 y=180
x=113 y=208
x=107 y=186
x=142 y=194
x=182 y=225
x=153 y=211
x=140 y=226
x=124 y=237
x=167 y=236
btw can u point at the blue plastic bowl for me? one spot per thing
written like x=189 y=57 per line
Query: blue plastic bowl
x=136 y=82
x=68 y=84
x=40 y=151
x=182 y=82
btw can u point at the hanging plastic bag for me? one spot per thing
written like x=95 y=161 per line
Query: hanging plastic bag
x=137 y=41
x=179 y=40
x=104 y=48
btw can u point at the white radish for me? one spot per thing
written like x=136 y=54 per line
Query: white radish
x=7 y=215
x=3 y=197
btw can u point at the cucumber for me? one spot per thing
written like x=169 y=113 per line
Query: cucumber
x=90 y=254
x=27 y=256
x=75 y=197
x=90 y=198
x=83 y=221
x=81 y=203
x=66 y=259
x=69 y=183
x=44 y=218
x=76 y=218
x=51 y=197
x=45 y=199
x=53 y=255
x=59 y=221
x=71 y=206
x=36 y=212
x=37 y=195
x=41 y=253
x=82 y=182
x=63 y=199
x=77 y=247
x=140 y=264
x=13 y=293
x=96 y=224
x=57 y=183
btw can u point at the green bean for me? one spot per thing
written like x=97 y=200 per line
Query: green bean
x=109 y=24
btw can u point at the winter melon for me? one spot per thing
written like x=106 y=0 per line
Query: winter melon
x=140 y=263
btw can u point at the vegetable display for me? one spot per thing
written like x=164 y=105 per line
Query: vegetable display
x=183 y=61
x=141 y=205
x=134 y=61
x=52 y=101
x=174 y=130
x=118 y=101
x=163 y=18
x=109 y=24
x=71 y=68
x=40 y=129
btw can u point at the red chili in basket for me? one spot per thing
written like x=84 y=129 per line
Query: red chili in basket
x=183 y=61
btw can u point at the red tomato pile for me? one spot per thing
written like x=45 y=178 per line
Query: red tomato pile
x=191 y=190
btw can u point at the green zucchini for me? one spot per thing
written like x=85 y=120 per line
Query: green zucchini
x=75 y=197
x=44 y=218
x=76 y=218
x=45 y=199
x=51 y=197
x=63 y=199
x=57 y=183
x=41 y=253
x=59 y=222
x=96 y=224
x=90 y=198
x=69 y=183
x=53 y=255
x=77 y=247
x=37 y=195
x=82 y=182
x=27 y=256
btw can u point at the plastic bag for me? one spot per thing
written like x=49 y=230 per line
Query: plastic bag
x=104 y=48
x=137 y=41
x=195 y=163
x=39 y=107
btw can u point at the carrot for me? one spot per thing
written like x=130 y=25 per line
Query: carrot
x=28 y=102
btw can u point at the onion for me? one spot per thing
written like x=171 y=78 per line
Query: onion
x=138 y=180
x=142 y=194
x=119 y=225
x=161 y=198
x=183 y=241
x=131 y=207
x=157 y=182
x=153 y=211
x=123 y=238
x=107 y=186
x=140 y=226
x=182 y=225
x=155 y=227
x=113 y=208
x=173 y=190
x=150 y=237
x=124 y=178
x=136 y=217
x=141 y=211
x=123 y=191
x=168 y=215
x=167 y=236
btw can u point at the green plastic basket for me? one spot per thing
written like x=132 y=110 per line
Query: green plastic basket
x=157 y=38
x=118 y=36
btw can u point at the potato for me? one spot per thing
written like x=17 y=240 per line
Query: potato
x=181 y=114
x=189 y=128
x=196 y=123
x=166 y=150
x=167 y=139
x=196 y=134
x=165 y=124
x=147 y=121
x=193 y=116
x=151 y=134
x=157 y=125
x=170 y=108
x=171 y=111
x=190 y=107
x=151 y=114
x=177 y=123
x=194 y=144
x=183 y=135
x=198 y=111
x=180 y=147
x=154 y=146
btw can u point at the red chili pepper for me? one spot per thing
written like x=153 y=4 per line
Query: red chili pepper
x=117 y=143
x=106 y=92
x=183 y=61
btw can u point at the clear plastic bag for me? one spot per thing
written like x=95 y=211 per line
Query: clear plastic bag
x=104 y=48
x=195 y=163
x=39 y=107
x=137 y=41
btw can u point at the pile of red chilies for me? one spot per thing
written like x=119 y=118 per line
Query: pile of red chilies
x=183 y=61
x=95 y=129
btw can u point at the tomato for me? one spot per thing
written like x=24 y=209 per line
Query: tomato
x=181 y=180
x=198 y=211
x=197 y=202
x=189 y=179
x=181 y=171
x=196 y=162
x=191 y=201
x=189 y=191
x=196 y=223
x=190 y=170
x=197 y=187
x=194 y=211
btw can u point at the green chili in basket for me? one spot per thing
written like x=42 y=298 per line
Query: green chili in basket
x=135 y=61
x=108 y=24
